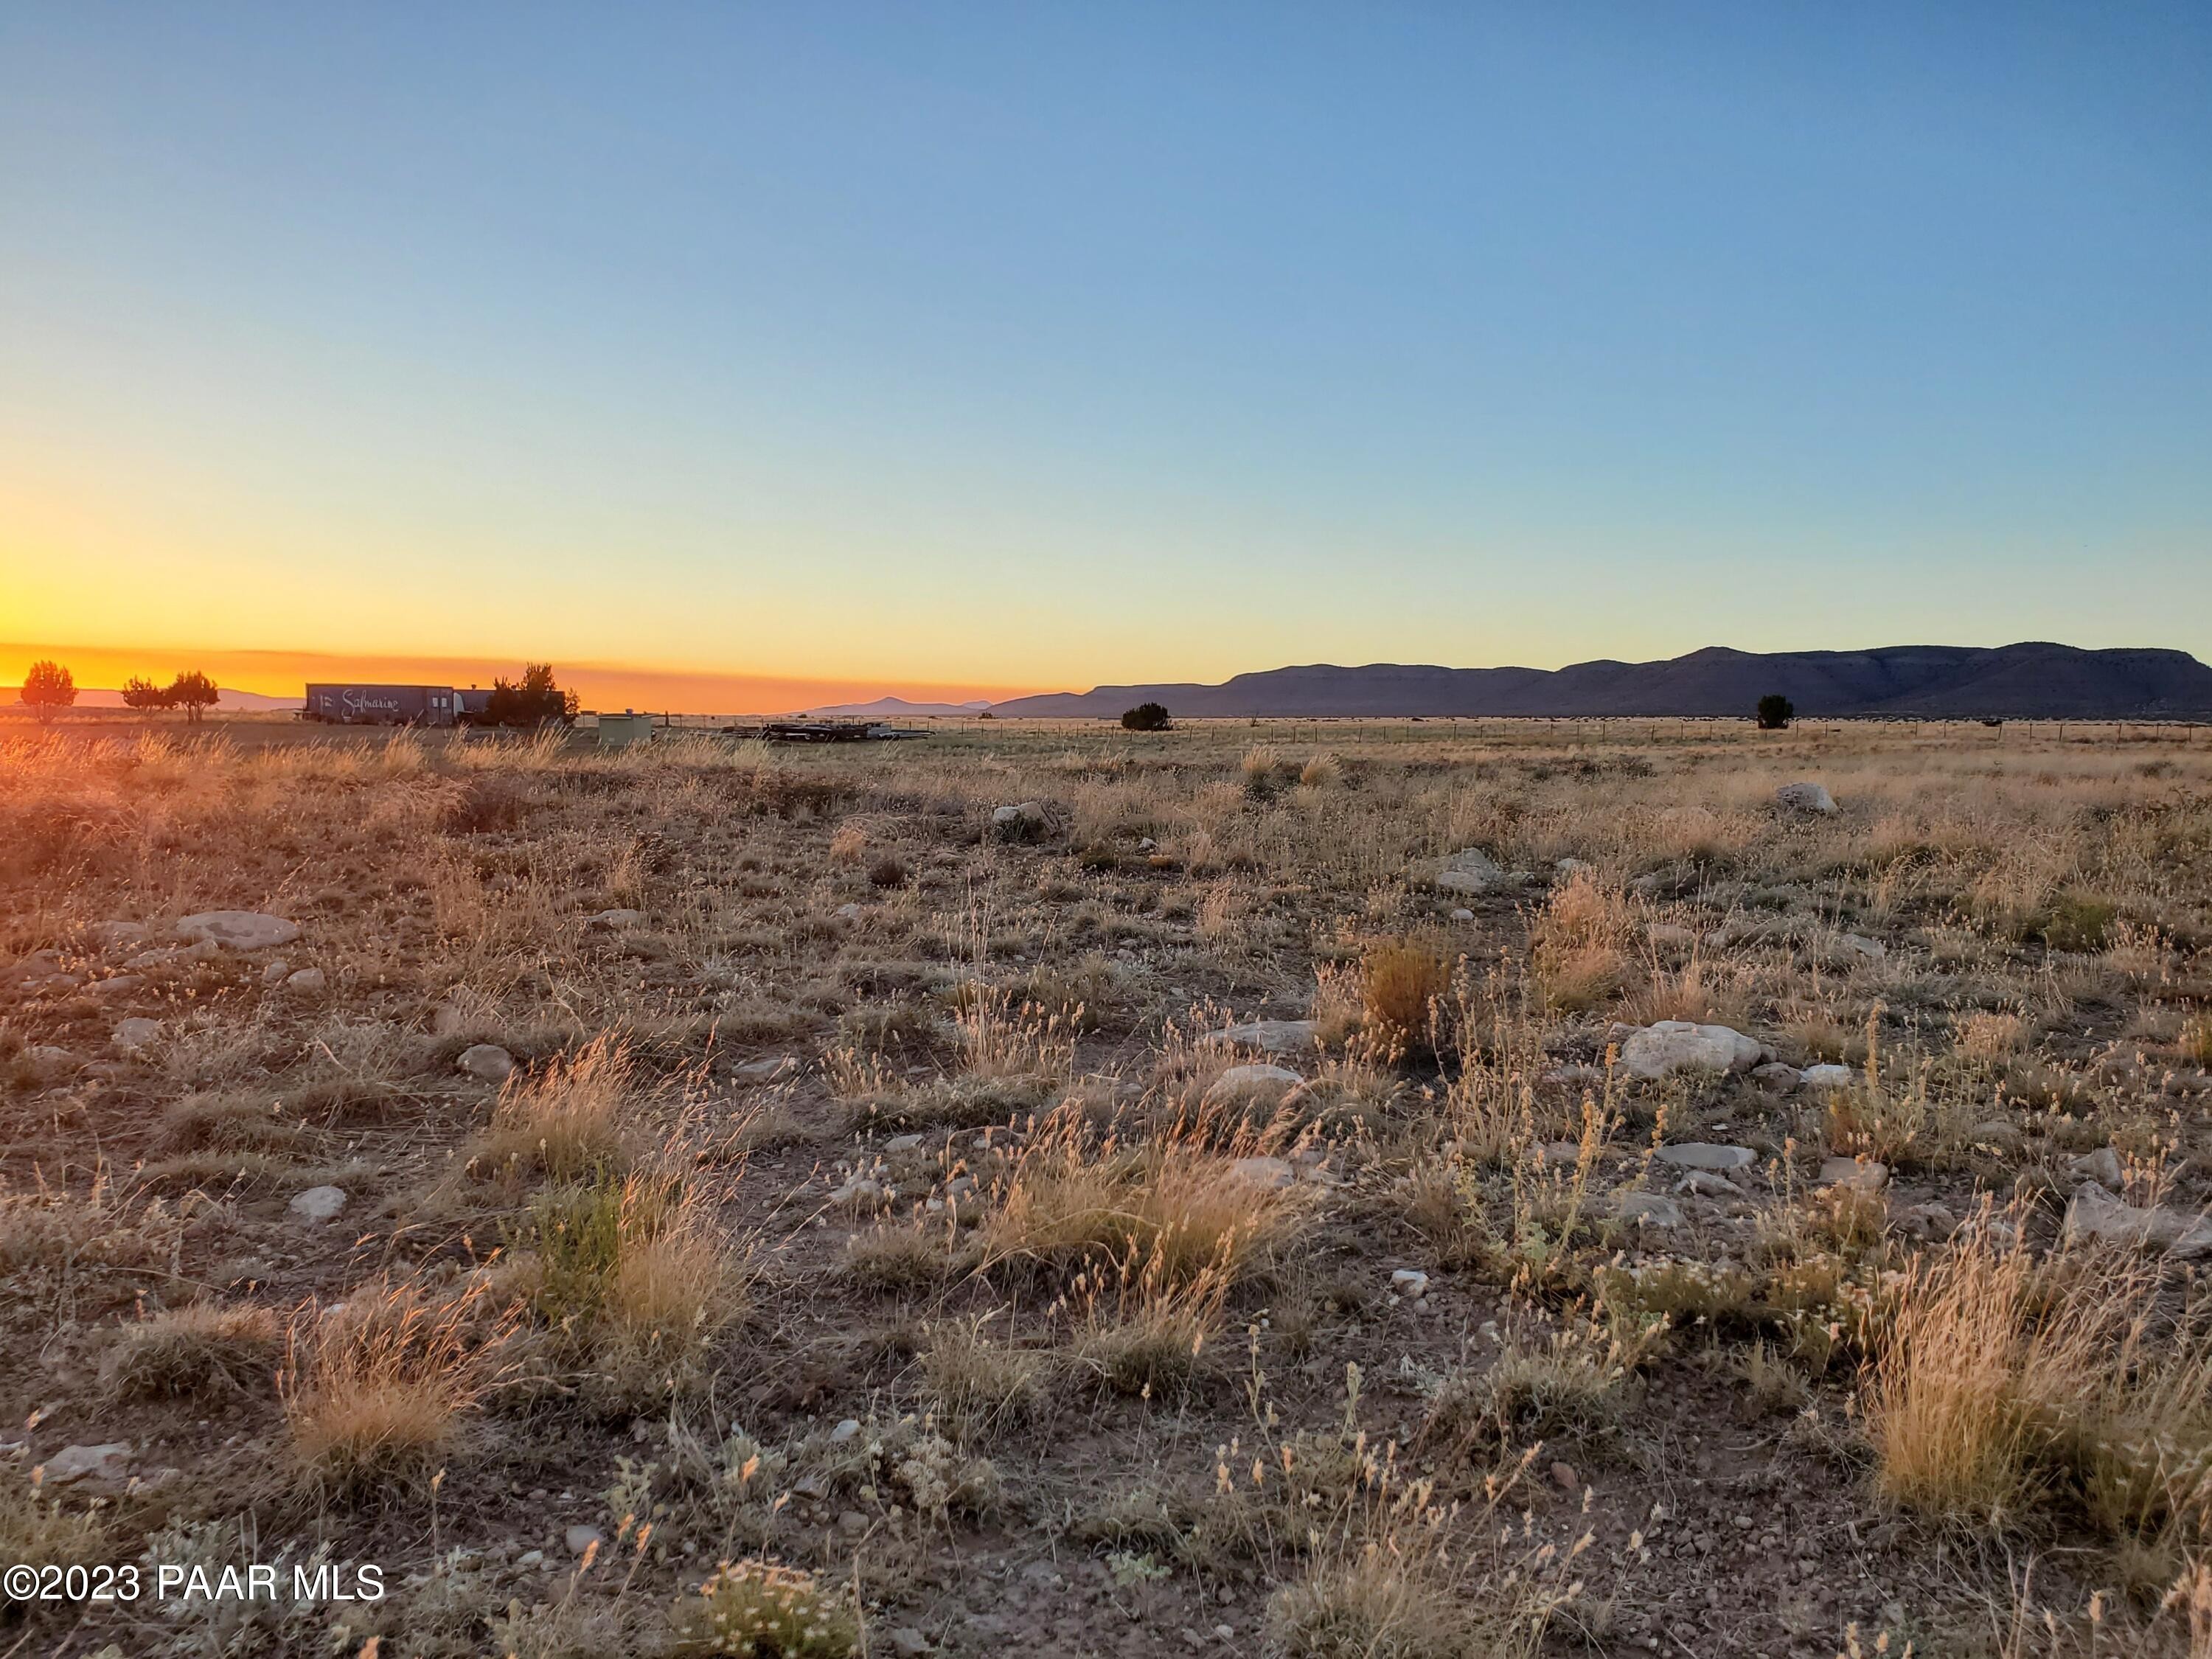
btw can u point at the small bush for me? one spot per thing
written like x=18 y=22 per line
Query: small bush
x=1400 y=982
x=1775 y=712
x=757 y=1608
x=1146 y=717
x=887 y=872
x=199 y=1350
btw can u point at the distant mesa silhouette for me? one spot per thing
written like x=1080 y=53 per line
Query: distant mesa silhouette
x=2030 y=681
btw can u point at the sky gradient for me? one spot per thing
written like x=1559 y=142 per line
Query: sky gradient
x=966 y=349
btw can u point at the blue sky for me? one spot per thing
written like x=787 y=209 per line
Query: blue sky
x=1036 y=345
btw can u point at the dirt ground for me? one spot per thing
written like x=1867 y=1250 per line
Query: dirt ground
x=1332 y=1189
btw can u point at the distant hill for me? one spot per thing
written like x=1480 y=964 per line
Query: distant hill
x=229 y=702
x=897 y=708
x=2034 y=680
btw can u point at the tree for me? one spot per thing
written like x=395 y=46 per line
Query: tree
x=193 y=692
x=1146 y=717
x=48 y=687
x=535 y=701
x=1775 y=711
x=139 y=692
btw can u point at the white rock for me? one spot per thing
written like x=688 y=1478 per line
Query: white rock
x=2097 y=1214
x=1472 y=871
x=2101 y=1166
x=134 y=1036
x=1828 y=1076
x=307 y=982
x=1265 y=1173
x=1706 y=1155
x=844 y=1431
x=1650 y=1209
x=1858 y=944
x=614 y=919
x=1273 y=1036
x=1462 y=915
x=318 y=1203
x=770 y=1070
x=486 y=1062
x=1410 y=1282
x=849 y=912
x=1025 y=821
x=1255 y=1082
x=102 y=1466
x=1806 y=798
x=582 y=1538
x=1860 y=1174
x=857 y=1191
x=238 y=930
x=1704 y=1184
x=902 y=1144
x=1674 y=1045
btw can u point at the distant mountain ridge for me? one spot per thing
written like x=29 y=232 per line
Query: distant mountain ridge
x=2036 y=680
x=229 y=702
x=897 y=708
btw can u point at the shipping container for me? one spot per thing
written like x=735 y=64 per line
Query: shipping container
x=381 y=705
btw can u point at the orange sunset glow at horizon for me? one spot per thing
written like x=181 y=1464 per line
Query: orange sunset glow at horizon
x=599 y=685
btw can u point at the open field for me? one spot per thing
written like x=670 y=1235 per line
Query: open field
x=876 y=1246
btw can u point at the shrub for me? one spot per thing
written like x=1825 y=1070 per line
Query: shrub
x=193 y=692
x=776 y=1613
x=49 y=688
x=139 y=692
x=1775 y=712
x=1146 y=717
x=533 y=701
x=196 y=1349
x=1400 y=982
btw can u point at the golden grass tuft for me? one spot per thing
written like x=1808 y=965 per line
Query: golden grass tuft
x=1399 y=981
x=566 y=1123
x=198 y=1350
x=377 y=1390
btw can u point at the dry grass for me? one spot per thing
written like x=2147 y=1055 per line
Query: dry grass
x=566 y=1123
x=379 y=1389
x=198 y=1350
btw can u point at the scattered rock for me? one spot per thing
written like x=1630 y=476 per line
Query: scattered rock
x=1929 y=1221
x=1675 y=1045
x=845 y=1431
x=1858 y=944
x=1030 y=820
x=238 y=930
x=1860 y=1174
x=103 y=1466
x=850 y=911
x=611 y=919
x=1462 y=916
x=1806 y=798
x=580 y=1538
x=1267 y=1174
x=1561 y=1153
x=275 y=972
x=1706 y=1155
x=318 y=1203
x=307 y=982
x=902 y=1144
x=134 y=1036
x=1704 y=1184
x=48 y=1062
x=116 y=986
x=1472 y=871
x=1574 y=867
x=909 y=1642
x=116 y=935
x=1775 y=1075
x=2101 y=1166
x=2097 y=1214
x=858 y=1191
x=1828 y=1076
x=1252 y=1083
x=486 y=1062
x=771 y=1070
x=2001 y=1133
x=1410 y=1282
x=1667 y=932
x=1272 y=1036
x=1565 y=1477
x=1650 y=1209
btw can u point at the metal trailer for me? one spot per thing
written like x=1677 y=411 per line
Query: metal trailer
x=381 y=705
